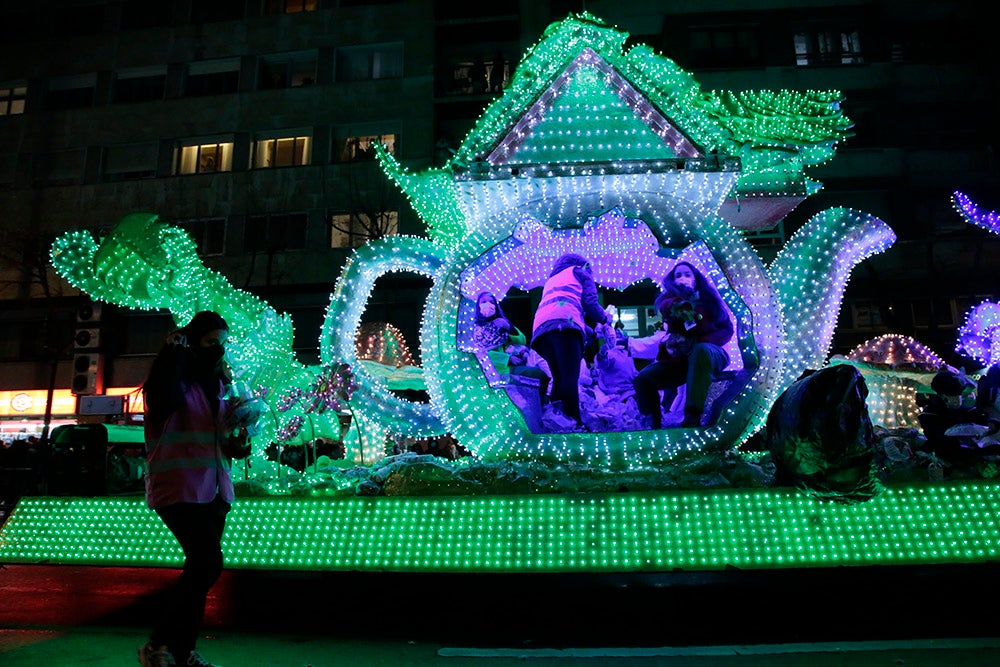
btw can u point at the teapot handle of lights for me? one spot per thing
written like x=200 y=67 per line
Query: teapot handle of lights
x=378 y=406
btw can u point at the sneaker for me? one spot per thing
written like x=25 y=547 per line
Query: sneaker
x=194 y=658
x=155 y=656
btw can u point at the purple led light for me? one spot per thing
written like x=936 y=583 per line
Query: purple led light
x=988 y=220
x=979 y=336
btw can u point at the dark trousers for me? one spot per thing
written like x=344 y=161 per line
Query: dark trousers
x=536 y=373
x=696 y=370
x=198 y=528
x=562 y=350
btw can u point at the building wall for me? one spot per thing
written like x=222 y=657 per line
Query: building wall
x=921 y=87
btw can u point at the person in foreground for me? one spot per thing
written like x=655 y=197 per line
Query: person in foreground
x=191 y=440
x=697 y=327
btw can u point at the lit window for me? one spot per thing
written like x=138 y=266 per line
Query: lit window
x=349 y=230
x=12 y=100
x=828 y=46
x=204 y=158
x=361 y=148
x=363 y=63
x=287 y=70
x=283 y=152
x=289 y=6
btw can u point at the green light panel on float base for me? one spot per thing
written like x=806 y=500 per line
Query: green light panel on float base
x=710 y=530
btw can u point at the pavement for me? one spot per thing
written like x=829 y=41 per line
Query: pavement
x=862 y=617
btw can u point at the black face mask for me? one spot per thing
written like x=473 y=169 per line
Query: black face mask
x=208 y=358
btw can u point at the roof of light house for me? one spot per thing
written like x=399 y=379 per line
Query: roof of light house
x=578 y=101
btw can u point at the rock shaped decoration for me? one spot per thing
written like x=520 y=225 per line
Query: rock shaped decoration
x=821 y=438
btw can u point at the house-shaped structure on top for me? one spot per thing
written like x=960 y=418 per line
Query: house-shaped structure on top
x=578 y=101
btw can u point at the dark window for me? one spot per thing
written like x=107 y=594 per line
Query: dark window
x=64 y=99
x=59 y=167
x=140 y=88
x=212 y=83
x=724 y=46
x=287 y=71
x=209 y=11
x=274 y=233
x=23 y=27
x=363 y=63
x=78 y=21
x=145 y=14
x=348 y=230
x=209 y=234
x=560 y=9
x=361 y=148
x=289 y=6
x=932 y=313
x=129 y=162
x=828 y=45
x=365 y=3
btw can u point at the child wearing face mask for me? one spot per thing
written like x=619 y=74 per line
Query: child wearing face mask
x=505 y=344
x=697 y=326
x=190 y=443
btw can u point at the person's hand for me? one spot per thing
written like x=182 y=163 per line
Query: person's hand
x=176 y=338
x=238 y=444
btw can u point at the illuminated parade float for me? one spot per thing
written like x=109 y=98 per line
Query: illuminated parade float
x=619 y=156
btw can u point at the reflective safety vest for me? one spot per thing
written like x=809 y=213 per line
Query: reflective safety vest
x=562 y=299
x=184 y=458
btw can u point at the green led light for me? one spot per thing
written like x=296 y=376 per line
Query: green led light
x=650 y=532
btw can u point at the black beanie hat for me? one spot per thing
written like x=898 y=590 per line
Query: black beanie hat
x=950 y=383
x=202 y=323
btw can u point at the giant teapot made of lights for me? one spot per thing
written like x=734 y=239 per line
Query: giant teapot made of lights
x=621 y=158
x=618 y=156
